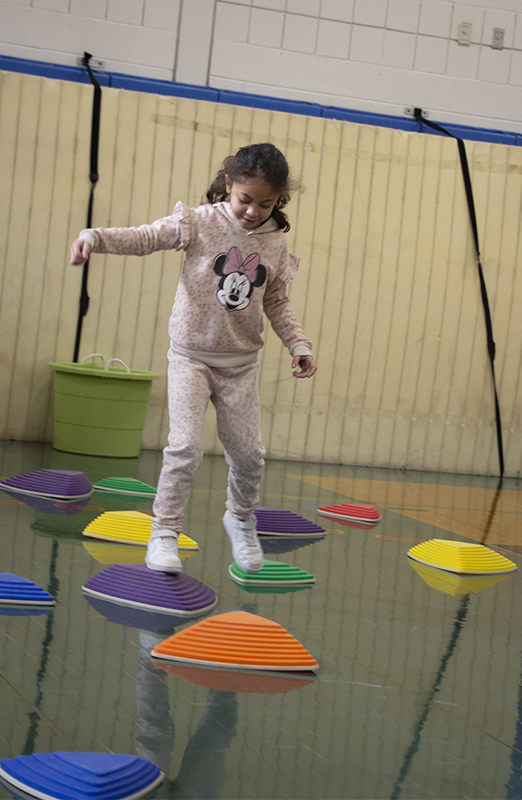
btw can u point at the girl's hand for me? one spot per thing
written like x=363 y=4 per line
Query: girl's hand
x=80 y=251
x=306 y=364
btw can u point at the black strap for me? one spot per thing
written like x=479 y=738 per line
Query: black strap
x=93 y=177
x=487 y=314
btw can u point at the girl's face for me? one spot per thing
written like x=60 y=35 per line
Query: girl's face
x=252 y=201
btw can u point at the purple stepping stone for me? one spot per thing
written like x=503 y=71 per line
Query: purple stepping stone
x=62 y=484
x=136 y=585
x=279 y=522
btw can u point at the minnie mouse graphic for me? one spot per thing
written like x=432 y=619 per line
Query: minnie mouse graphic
x=238 y=278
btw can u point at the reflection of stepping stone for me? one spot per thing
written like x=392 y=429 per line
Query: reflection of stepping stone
x=80 y=776
x=238 y=640
x=354 y=515
x=273 y=573
x=125 y=486
x=453 y=583
x=275 y=589
x=62 y=484
x=138 y=586
x=468 y=558
x=133 y=617
x=282 y=544
x=24 y=611
x=279 y=522
x=129 y=527
x=21 y=591
x=230 y=680
x=49 y=505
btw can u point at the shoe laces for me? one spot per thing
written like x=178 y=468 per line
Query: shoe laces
x=164 y=545
x=249 y=533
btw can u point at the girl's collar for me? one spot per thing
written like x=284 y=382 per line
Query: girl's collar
x=267 y=227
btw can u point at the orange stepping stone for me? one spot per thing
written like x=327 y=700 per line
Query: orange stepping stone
x=239 y=640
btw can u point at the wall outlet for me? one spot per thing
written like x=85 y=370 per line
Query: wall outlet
x=464 y=34
x=498 y=39
x=94 y=63
x=410 y=112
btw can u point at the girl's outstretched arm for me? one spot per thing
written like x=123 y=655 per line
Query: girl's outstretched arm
x=80 y=252
x=307 y=366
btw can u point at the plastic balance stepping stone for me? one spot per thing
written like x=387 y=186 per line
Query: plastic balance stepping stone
x=279 y=522
x=467 y=558
x=125 y=486
x=238 y=640
x=230 y=680
x=58 y=483
x=81 y=776
x=453 y=583
x=129 y=527
x=138 y=586
x=354 y=515
x=21 y=591
x=273 y=573
x=107 y=553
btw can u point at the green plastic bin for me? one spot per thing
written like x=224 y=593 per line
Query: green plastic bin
x=100 y=410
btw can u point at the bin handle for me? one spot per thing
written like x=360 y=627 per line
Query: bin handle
x=92 y=355
x=110 y=360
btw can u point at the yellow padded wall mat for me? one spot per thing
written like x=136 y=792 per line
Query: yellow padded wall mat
x=387 y=289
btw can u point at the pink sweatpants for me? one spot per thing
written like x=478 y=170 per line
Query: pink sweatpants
x=234 y=394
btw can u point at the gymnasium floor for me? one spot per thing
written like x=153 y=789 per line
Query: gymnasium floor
x=418 y=693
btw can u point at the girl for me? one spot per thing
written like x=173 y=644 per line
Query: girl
x=237 y=265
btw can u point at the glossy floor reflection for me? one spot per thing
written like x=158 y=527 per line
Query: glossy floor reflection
x=418 y=695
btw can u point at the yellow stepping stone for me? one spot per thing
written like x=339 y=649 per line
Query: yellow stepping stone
x=129 y=527
x=106 y=553
x=466 y=558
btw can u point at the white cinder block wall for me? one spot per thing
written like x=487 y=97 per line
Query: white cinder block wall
x=372 y=55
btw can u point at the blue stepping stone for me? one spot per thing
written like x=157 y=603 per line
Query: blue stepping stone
x=81 y=776
x=21 y=591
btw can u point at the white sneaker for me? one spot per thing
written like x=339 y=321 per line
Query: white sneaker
x=162 y=554
x=247 y=552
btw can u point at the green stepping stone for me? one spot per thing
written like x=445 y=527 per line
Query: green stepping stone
x=120 y=501
x=273 y=573
x=126 y=486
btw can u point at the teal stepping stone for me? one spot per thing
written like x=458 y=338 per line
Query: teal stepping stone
x=126 y=486
x=273 y=573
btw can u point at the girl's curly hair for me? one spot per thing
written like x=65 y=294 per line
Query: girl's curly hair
x=262 y=161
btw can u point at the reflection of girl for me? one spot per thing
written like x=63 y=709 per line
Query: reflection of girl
x=203 y=766
x=237 y=267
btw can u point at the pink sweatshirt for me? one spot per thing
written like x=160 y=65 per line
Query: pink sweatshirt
x=229 y=277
